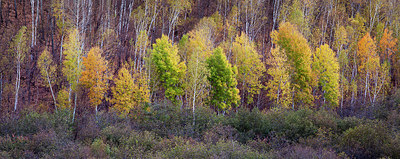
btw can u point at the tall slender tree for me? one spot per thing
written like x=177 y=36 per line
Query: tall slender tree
x=169 y=69
x=299 y=59
x=48 y=71
x=72 y=64
x=279 y=86
x=19 y=48
x=222 y=78
x=95 y=76
x=250 y=68
x=326 y=67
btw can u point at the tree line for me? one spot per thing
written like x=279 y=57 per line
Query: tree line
x=225 y=54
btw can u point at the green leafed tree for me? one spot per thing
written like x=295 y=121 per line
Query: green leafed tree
x=222 y=78
x=48 y=71
x=326 y=67
x=168 y=68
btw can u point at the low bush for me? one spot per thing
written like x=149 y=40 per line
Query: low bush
x=369 y=140
x=298 y=124
x=300 y=152
x=222 y=149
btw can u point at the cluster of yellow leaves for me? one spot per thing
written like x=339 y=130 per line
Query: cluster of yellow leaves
x=299 y=59
x=129 y=93
x=72 y=65
x=368 y=57
x=95 y=76
x=250 y=67
x=47 y=67
x=326 y=67
x=279 y=86
x=47 y=70
x=63 y=99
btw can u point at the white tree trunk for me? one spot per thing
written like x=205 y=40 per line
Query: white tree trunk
x=52 y=92
x=61 y=49
x=366 y=87
x=73 y=114
x=37 y=19
x=33 y=20
x=17 y=83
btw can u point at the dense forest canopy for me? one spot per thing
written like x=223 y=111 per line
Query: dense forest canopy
x=83 y=58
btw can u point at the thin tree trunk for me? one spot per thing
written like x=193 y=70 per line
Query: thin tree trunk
x=73 y=115
x=366 y=86
x=69 y=95
x=37 y=19
x=52 y=33
x=193 y=107
x=17 y=84
x=120 y=17
x=61 y=48
x=51 y=89
x=33 y=20
x=293 y=100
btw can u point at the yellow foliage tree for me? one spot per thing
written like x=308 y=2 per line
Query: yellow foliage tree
x=279 y=86
x=250 y=67
x=62 y=99
x=326 y=66
x=128 y=93
x=47 y=70
x=95 y=76
x=298 y=53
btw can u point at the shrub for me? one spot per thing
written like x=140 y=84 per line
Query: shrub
x=222 y=149
x=15 y=146
x=250 y=124
x=87 y=129
x=323 y=138
x=115 y=134
x=31 y=123
x=299 y=125
x=43 y=143
x=368 y=140
x=348 y=122
x=219 y=132
x=139 y=144
x=100 y=149
x=325 y=119
x=393 y=149
x=172 y=120
x=73 y=150
x=300 y=152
